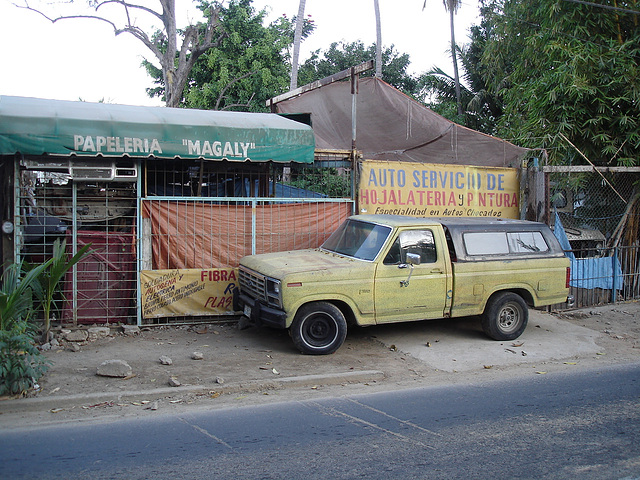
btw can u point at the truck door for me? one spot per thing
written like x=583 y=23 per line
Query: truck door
x=411 y=292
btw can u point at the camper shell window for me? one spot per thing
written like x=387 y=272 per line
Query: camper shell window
x=504 y=243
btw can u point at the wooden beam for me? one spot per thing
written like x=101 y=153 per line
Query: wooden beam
x=587 y=168
x=363 y=67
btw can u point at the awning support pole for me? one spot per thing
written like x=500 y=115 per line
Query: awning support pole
x=354 y=92
x=74 y=249
x=254 y=210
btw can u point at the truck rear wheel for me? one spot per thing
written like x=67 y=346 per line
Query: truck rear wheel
x=319 y=328
x=505 y=317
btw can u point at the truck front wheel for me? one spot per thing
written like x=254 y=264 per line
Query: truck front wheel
x=319 y=328
x=505 y=316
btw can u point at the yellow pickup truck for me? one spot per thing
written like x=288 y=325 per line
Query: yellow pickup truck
x=377 y=269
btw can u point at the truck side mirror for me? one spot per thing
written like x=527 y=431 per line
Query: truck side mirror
x=413 y=258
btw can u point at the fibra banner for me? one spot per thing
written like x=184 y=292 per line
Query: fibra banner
x=430 y=190
x=190 y=292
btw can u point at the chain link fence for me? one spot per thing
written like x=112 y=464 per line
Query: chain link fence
x=600 y=214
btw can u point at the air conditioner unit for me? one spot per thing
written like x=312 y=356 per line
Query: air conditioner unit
x=114 y=171
x=121 y=170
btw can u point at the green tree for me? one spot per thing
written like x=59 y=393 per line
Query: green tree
x=340 y=56
x=481 y=107
x=452 y=7
x=567 y=70
x=176 y=50
x=249 y=66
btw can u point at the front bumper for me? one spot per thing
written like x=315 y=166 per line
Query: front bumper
x=257 y=312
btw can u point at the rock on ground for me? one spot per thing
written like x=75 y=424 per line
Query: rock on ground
x=94 y=333
x=114 y=368
x=130 y=329
x=77 y=336
x=164 y=360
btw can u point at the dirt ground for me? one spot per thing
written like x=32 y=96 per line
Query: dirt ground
x=231 y=357
x=618 y=325
x=244 y=366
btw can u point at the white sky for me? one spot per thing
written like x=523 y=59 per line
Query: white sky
x=77 y=59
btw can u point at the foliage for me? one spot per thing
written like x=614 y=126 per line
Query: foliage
x=326 y=181
x=50 y=277
x=21 y=363
x=24 y=290
x=452 y=7
x=249 y=65
x=567 y=69
x=340 y=56
x=481 y=108
x=16 y=295
x=176 y=50
x=442 y=104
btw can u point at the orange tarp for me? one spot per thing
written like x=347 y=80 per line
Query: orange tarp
x=203 y=235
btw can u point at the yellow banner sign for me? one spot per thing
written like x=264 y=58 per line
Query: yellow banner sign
x=429 y=190
x=189 y=292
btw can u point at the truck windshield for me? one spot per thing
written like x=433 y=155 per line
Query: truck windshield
x=357 y=239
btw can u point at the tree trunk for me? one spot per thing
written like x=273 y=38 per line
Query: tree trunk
x=297 y=38
x=168 y=59
x=454 y=57
x=376 y=7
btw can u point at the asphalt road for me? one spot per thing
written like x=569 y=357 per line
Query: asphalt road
x=564 y=426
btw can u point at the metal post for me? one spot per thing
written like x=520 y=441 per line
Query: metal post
x=354 y=123
x=17 y=230
x=614 y=262
x=139 y=242
x=254 y=208
x=74 y=248
x=354 y=93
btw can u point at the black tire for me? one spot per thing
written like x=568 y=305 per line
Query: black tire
x=319 y=328
x=505 y=317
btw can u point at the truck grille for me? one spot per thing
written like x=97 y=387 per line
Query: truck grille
x=253 y=284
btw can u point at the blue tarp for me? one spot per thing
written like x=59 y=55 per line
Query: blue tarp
x=589 y=273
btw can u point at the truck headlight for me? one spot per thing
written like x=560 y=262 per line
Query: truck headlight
x=273 y=292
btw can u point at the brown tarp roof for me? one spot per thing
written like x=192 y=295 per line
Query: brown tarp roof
x=392 y=126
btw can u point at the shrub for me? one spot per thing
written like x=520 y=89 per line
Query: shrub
x=25 y=289
x=21 y=363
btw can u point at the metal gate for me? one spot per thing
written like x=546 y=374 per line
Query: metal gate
x=168 y=215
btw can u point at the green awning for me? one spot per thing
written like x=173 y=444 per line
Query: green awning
x=32 y=126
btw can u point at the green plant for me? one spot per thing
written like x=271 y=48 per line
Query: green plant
x=25 y=289
x=21 y=363
x=16 y=294
x=326 y=181
x=49 y=279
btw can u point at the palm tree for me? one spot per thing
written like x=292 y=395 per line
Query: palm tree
x=297 y=38
x=452 y=7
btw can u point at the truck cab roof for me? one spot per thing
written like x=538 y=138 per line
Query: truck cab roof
x=455 y=229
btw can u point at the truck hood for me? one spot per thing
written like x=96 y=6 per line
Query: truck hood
x=300 y=261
